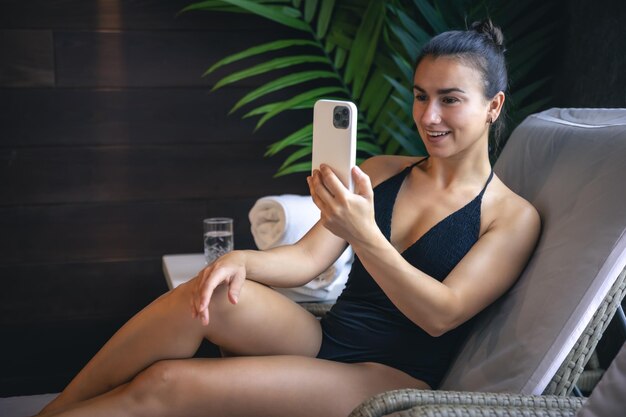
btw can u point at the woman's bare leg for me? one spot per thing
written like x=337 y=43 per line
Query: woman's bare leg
x=246 y=386
x=262 y=323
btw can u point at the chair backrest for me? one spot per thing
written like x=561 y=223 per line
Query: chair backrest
x=607 y=398
x=571 y=165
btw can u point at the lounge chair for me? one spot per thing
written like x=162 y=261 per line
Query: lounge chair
x=607 y=400
x=571 y=165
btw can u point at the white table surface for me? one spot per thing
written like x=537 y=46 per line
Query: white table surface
x=179 y=269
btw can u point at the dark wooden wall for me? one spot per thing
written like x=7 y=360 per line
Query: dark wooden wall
x=592 y=73
x=113 y=151
x=592 y=69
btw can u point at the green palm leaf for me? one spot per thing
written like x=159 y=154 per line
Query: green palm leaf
x=260 y=49
x=326 y=12
x=281 y=83
x=408 y=145
x=223 y=6
x=377 y=87
x=306 y=99
x=298 y=137
x=295 y=168
x=432 y=16
x=277 y=63
x=369 y=148
x=310 y=7
x=301 y=153
x=523 y=93
x=365 y=49
x=287 y=16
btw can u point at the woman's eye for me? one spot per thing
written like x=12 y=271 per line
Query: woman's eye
x=450 y=100
x=420 y=97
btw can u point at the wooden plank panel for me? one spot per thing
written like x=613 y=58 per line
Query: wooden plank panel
x=38 y=358
x=122 y=14
x=86 y=290
x=67 y=233
x=142 y=116
x=121 y=173
x=147 y=59
x=27 y=58
x=43 y=357
x=589 y=74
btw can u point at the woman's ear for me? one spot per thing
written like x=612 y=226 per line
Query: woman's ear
x=495 y=106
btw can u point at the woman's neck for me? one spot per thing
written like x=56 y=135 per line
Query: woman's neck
x=458 y=170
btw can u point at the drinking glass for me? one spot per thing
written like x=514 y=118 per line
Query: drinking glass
x=218 y=237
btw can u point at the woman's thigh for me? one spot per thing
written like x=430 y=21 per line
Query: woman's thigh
x=263 y=386
x=263 y=322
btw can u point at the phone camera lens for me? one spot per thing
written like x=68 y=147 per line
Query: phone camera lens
x=341 y=117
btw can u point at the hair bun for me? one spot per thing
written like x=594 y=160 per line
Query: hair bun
x=487 y=28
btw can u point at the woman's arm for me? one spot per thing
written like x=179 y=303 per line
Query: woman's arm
x=485 y=273
x=284 y=266
x=295 y=265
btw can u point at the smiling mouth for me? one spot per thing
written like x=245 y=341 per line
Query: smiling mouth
x=437 y=134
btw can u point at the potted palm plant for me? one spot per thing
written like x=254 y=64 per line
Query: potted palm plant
x=363 y=50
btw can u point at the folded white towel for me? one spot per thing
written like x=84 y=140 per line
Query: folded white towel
x=281 y=220
x=284 y=219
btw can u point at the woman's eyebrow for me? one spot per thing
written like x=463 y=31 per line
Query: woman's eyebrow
x=441 y=90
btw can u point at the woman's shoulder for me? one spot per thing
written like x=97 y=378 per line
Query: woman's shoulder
x=512 y=210
x=381 y=167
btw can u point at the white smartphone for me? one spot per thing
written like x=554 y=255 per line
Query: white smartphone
x=334 y=138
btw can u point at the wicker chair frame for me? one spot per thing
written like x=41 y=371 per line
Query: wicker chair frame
x=553 y=402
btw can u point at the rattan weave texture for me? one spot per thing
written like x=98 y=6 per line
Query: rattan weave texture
x=479 y=411
x=555 y=395
x=398 y=400
x=572 y=367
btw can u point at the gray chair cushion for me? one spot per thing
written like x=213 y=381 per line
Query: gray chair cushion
x=571 y=165
x=609 y=396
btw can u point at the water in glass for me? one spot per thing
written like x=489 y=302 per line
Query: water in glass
x=216 y=244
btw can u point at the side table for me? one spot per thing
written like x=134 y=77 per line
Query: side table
x=179 y=269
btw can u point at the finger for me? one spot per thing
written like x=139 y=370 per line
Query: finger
x=332 y=182
x=234 y=289
x=362 y=184
x=315 y=196
x=206 y=291
x=195 y=294
x=309 y=181
x=198 y=290
x=192 y=299
x=323 y=193
x=210 y=280
x=316 y=188
x=204 y=312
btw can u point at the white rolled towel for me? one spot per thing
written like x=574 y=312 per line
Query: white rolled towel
x=284 y=219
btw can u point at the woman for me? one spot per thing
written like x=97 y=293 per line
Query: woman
x=436 y=240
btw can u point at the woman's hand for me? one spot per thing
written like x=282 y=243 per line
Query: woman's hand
x=229 y=269
x=347 y=215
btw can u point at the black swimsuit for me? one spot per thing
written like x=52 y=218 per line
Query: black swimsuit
x=365 y=326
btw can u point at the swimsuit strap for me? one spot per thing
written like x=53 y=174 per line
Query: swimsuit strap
x=420 y=161
x=480 y=195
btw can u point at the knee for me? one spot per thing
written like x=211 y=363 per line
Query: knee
x=221 y=310
x=153 y=390
x=184 y=293
x=220 y=304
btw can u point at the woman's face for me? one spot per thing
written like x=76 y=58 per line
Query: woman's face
x=449 y=108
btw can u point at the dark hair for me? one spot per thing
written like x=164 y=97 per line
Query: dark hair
x=482 y=47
